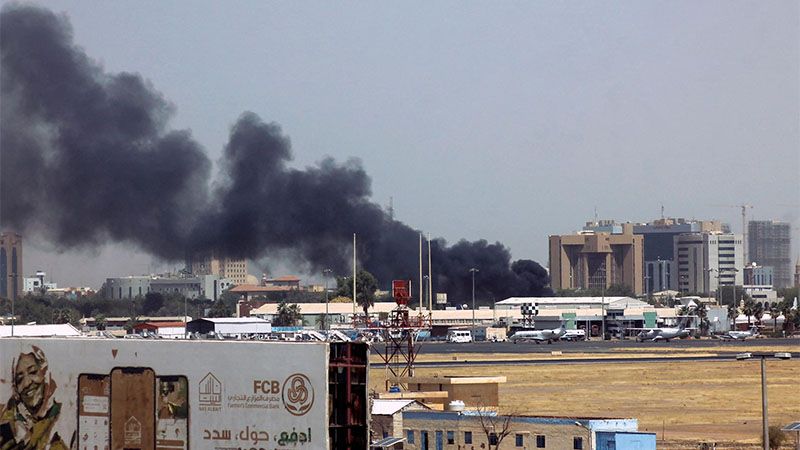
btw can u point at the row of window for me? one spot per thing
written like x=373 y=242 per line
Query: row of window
x=519 y=439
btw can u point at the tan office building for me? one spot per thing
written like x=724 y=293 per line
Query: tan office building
x=590 y=260
x=11 y=274
x=233 y=269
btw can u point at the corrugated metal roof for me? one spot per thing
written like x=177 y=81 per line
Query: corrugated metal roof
x=387 y=442
x=40 y=330
x=234 y=320
x=794 y=426
x=382 y=407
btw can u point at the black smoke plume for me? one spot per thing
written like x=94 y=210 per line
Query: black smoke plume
x=86 y=157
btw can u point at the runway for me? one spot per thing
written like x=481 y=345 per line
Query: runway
x=603 y=346
x=541 y=354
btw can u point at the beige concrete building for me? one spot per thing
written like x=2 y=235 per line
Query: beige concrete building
x=476 y=392
x=593 y=260
x=233 y=269
x=11 y=274
x=429 y=430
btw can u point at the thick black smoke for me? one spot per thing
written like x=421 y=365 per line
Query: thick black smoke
x=86 y=157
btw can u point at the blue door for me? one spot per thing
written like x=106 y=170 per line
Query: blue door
x=423 y=440
x=439 y=441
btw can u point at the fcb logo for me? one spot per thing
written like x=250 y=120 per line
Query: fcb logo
x=298 y=394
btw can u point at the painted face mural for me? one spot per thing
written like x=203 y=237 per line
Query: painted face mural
x=28 y=420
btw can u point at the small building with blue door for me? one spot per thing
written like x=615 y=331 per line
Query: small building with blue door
x=623 y=440
x=468 y=430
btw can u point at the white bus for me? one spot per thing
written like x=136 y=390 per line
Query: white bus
x=459 y=336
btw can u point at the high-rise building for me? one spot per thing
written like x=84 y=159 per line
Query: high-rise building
x=590 y=260
x=232 y=269
x=769 y=244
x=708 y=260
x=11 y=274
x=659 y=266
x=797 y=273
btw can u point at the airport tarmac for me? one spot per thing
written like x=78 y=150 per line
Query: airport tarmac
x=597 y=346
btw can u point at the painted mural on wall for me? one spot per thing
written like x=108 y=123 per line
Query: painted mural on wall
x=29 y=418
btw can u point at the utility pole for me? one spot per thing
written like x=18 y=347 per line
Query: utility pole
x=326 y=273
x=473 y=270
x=430 y=279
x=354 y=278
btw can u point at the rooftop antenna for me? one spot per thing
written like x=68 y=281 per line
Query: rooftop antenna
x=595 y=215
x=662 y=211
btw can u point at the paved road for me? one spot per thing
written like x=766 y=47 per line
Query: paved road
x=631 y=346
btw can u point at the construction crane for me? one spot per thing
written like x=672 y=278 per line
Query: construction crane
x=744 y=207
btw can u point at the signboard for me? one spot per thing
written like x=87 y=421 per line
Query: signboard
x=401 y=291
x=441 y=298
x=207 y=395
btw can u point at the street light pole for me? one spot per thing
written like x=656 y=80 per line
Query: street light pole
x=764 y=421
x=764 y=417
x=326 y=273
x=473 y=270
x=13 y=299
x=185 y=328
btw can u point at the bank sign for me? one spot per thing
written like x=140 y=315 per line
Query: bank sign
x=101 y=394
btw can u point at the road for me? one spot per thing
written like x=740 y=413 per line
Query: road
x=630 y=346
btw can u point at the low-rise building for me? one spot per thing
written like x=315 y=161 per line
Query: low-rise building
x=230 y=326
x=166 y=330
x=427 y=430
x=386 y=416
x=340 y=313
x=476 y=393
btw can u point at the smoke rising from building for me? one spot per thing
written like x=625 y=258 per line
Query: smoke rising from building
x=87 y=157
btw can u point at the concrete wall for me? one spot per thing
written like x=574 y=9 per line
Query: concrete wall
x=558 y=433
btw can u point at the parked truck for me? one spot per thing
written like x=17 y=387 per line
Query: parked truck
x=120 y=394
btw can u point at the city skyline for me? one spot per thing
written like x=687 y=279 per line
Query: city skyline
x=507 y=133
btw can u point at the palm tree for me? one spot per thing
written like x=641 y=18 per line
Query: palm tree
x=749 y=309
x=774 y=312
x=322 y=321
x=288 y=315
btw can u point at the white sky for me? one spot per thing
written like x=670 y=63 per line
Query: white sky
x=505 y=120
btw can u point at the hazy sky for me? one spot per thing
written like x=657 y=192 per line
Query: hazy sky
x=507 y=121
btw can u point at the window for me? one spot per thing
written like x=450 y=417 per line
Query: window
x=492 y=438
x=519 y=441
x=540 y=441
x=468 y=437
x=410 y=436
x=577 y=443
x=451 y=437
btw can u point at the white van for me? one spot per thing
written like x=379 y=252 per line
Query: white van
x=459 y=336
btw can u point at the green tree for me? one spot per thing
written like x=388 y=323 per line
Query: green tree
x=62 y=315
x=288 y=315
x=219 y=309
x=776 y=436
x=152 y=302
x=100 y=321
x=366 y=285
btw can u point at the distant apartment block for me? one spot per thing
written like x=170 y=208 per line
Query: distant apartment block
x=755 y=275
x=593 y=260
x=232 y=269
x=11 y=274
x=708 y=260
x=769 y=244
